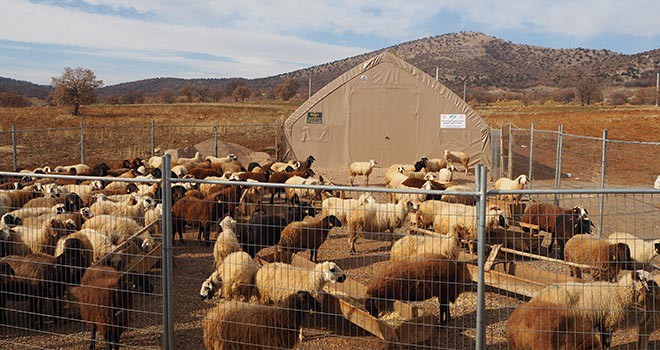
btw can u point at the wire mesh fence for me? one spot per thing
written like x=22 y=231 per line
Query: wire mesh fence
x=555 y=159
x=279 y=263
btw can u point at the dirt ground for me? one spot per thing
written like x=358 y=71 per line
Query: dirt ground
x=193 y=262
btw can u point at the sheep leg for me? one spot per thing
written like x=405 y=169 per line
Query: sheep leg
x=92 y=338
x=366 y=181
x=352 y=239
x=272 y=195
x=644 y=329
x=605 y=336
x=352 y=179
x=444 y=314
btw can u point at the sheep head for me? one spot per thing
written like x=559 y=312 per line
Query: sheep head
x=228 y=224
x=429 y=177
x=331 y=272
x=210 y=286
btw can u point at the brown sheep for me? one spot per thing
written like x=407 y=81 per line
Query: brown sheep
x=202 y=173
x=540 y=326
x=590 y=250
x=417 y=280
x=307 y=234
x=121 y=164
x=280 y=177
x=562 y=223
x=106 y=296
x=261 y=176
x=239 y=325
x=198 y=212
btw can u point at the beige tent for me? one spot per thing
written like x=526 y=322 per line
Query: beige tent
x=388 y=110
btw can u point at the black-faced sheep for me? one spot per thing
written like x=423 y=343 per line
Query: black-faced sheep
x=281 y=177
x=562 y=223
x=27 y=239
x=537 y=326
x=431 y=165
x=363 y=169
x=106 y=297
x=276 y=281
x=418 y=280
x=604 y=304
x=308 y=234
x=238 y=325
x=610 y=258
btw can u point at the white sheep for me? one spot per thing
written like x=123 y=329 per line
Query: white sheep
x=656 y=185
x=280 y=166
x=427 y=210
x=25 y=213
x=215 y=160
x=465 y=218
x=83 y=189
x=196 y=159
x=96 y=244
x=363 y=169
x=276 y=281
x=118 y=229
x=180 y=170
x=515 y=184
x=227 y=242
x=454 y=198
x=445 y=246
x=43 y=239
x=303 y=192
x=395 y=170
x=155 y=162
x=416 y=198
x=602 y=303
x=641 y=251
x=154 y=215
x=236 y=274
x=446 y=174
x=377 y=218
x=458 y=157
x=341 y=207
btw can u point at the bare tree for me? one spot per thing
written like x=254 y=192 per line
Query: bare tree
x=187 y=90
x=287 y=89
x=74 y=87
x=588 y=90
x=10 y=99
x=241 y=93
x=167 y=96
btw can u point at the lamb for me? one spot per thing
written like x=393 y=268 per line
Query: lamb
x=413 y=197
x=214 y=160
x=227 y=242
x=434 y=164
x=119 y=229
x=106 y=298
x=275 y=282
x=235 y=325
x=202 y=173
x=515 y=184
x=308 y=234
x=198 y=212
x=465 y=217
x=643 y=252
x=604 y=304
x=413 y=246
x=458 y=157
x=395 y=179
x=238 y=271
x=590 y=250
x=341 y=207
x=418 y=280
x=377 y=217
x=361 y=168
x=542 y=325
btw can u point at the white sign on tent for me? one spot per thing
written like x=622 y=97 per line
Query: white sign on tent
x=452 y=121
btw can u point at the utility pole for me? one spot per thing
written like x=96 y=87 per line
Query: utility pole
x=437 y=73
x=464 y=87
x=309 y=88
x=657 y=85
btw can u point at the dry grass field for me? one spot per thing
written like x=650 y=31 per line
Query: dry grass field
x=193 y=262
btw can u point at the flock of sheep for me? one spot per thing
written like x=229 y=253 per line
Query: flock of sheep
x=53 y=231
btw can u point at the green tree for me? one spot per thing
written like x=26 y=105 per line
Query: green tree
x=74 y=87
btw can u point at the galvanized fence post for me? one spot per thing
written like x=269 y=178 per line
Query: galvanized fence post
x=215 y=138
x=501 y=150
x=277 y=134
x=13 y=144
x=603 y=165
x=82 y=142
x=531 y=155
x=509 y=169
x=153 y=137
x=560 y=131
x=481 y=184
x=166 y=273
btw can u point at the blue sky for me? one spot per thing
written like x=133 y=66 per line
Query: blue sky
x=126 y=40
